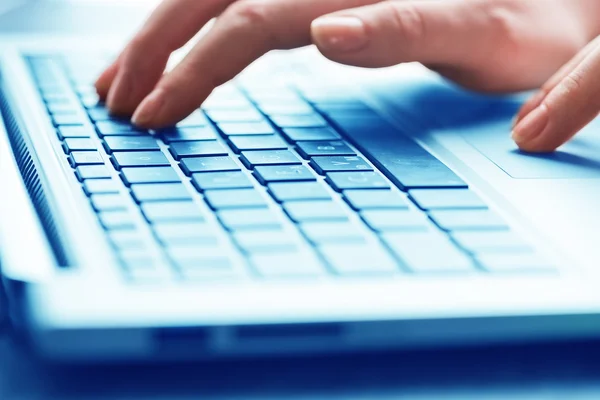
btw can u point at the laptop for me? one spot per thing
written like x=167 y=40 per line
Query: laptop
x=305 y=208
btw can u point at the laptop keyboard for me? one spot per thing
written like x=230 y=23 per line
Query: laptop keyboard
x=272 y=183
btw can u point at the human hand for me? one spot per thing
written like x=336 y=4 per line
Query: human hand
x=486 y=45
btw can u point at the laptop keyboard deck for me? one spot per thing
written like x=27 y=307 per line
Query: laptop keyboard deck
x=272 y=183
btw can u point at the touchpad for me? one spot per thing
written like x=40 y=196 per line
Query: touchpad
x=580 y=158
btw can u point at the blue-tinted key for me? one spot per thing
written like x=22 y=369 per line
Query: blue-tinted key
x=160 y=192
x=265 y=142
x=515 y=263
x=428 y=252
x=264 y=242
x=198 y=148
x=321 y=233
x=395 y=220
x=326 y=148
x=85 y=158
x=436 y=199
x=285 y=265
x=283 y=173
x=310 y=134
x=139 y=159
x=127 y=240
x=234 y=198
x=115 y=128
x=108 y=202
x=126 y=143
x=185 y=233
x=246 y=128
x=172 y=212
x=299 y=121
x=221 y=180
x=324 y=165
x=315 y=211
x=117 y=220
x=196 y=119
x=468 y=220
x=250 y=220
x=208 y=164
x=149 y=175
x=356 y=180
x=287 y=108
x=401 y=159
x=188 y=134
x=92 y=172
x=98 y=186
x=91 y=101
x=222 y=116
x=252 y=159
x=375 y=199
x=78 y=144
x=69 y=119
x=491 y=242
x=75 y=132
x=359 y=259
x=295 y=191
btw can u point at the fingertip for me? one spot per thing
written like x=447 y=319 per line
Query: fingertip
x=105 y=80
x=150 y=113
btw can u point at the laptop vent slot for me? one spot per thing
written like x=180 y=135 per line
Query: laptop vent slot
x=29 y=173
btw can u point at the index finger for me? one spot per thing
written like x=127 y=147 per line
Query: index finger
x=246 y=31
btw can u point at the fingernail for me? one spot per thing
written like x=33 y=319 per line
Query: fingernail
x=532 y=125
x=344 y=34
x=149 y=108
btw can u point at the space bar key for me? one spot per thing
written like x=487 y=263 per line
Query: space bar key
x=401 y=159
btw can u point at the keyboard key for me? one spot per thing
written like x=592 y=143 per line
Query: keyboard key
x=324 y=165
x=289 y=108
x=268 y=242
x=426 y=252
x=491 y=242
x=109 y=202
x=328 y=148
x=435 y=199
x=248 y=115
x=315 y=211
x=253 y=220
x=235 y=198
x=127 y=240
x=525 y=262
x=294 y=191
x=85 y=158
x=310 y=134
x=185 y=233
x=149 y=175
x=139 y=159
x=124 y=143
x=221 y=180
x=395 y=220
x=69 y=119
x=206 y=261
x=78 y=144
x=194 y=120
x=333 y=232
x=246 y=128
x=100 y=114
x=118 y=128
x=283 y=173
x=174 y=135
x=299 y=121
x=92 y=172
x=401 y=159
x=200 y=148
x=208 y=164
x=356 y=180
x=160 y=192
x=288 y=265
x=266 y=142
x=172 y=211
x=269 y=157
x=375 y=199
x=75 y=132
x=97 y=186
x=117 y=220
x=63 y=108
x=468 y=220
x=359 y=259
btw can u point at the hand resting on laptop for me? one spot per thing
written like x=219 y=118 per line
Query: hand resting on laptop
x=485 y=45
